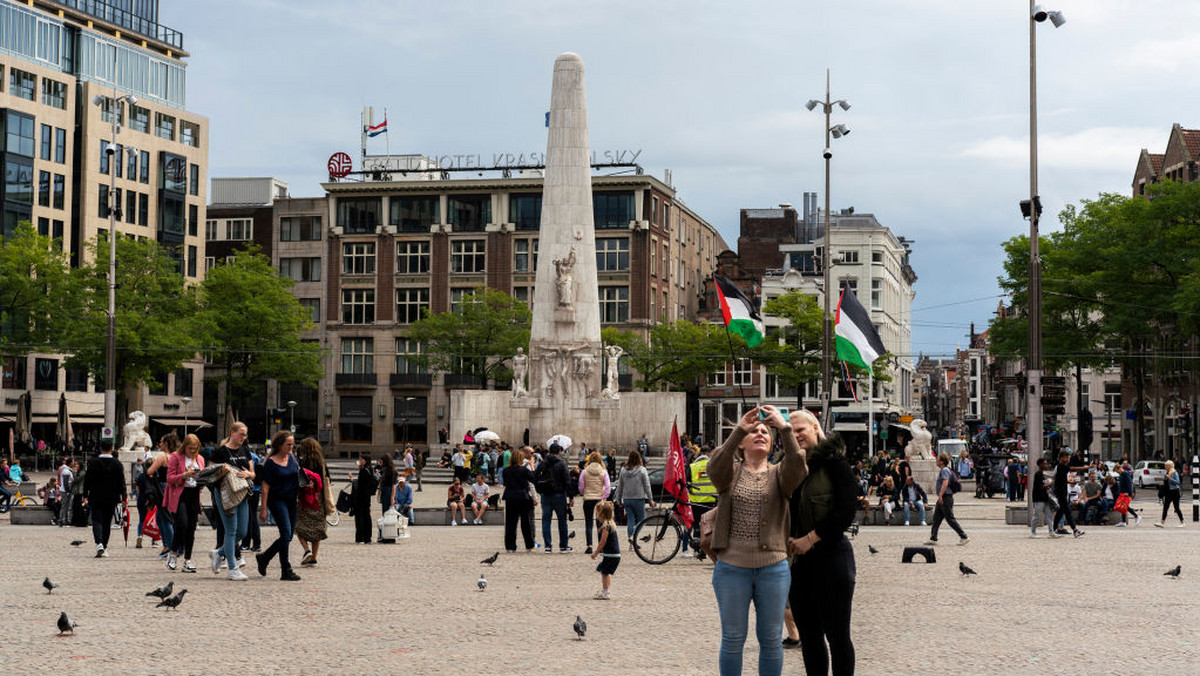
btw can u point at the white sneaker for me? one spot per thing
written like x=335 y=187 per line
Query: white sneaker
x=215 y=556
x=241 y=563
x=171 y=561
x=478 y=522
x=1122 y=525
x=1137 y=520
x=236 y=575
x=453 y=522
x=924 y=524
x=1180 y=525
x=905 y=523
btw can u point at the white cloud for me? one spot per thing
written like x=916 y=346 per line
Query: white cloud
x=1098 y=147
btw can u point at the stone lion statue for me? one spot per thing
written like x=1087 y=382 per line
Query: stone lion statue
x=136 y=437
x=921 y=445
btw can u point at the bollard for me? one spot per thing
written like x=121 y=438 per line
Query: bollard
x=1196 y=488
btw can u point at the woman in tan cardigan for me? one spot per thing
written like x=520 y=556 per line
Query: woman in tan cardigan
x=750 y=536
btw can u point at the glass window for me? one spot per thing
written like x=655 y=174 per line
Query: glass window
x=139 y=119
x=411 y=304
x=612 y=209
x=354 y=423
x=414 y=214
x=743 y=372
x=358 y=216
x=193 y=255
x=469 y=213
x=43 y=188
x=457 y=294
x=119 y=161
x=612 y=254
x=47 y=142
x=468 y=255
x=189 y=134
x=171 y=219
x=523 y=259
x=193 y=216
x=358 y=258
x=525 y=211
x=57 y=232
x=164 y=126
x=60 y=145
x=14 y=373
x=105 y=158
x=412 y=257
x=144 y=174
x=314 y=307
x=76 y=380
x=358 y=306
x=848 y=257
x=301 y=269
x=54 y=93
x=43 y=226
x=358 y=355
x=131 y=164
x=21 y=84
x=45 y=374
x=143 y=209
x=239 y=229
x=211 y=230
x=183 y=383
x=408 y=356
x=174 y=172
x=300 y=229
x=614 y=304
x=19 y=134
x=877 y=295
x=877 y=257
x=130 y=207
x=18 y=181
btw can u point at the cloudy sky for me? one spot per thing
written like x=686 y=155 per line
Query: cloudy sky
x=715 y=91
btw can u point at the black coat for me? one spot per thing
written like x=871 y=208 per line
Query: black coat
x=104 y=483
x=365 y=487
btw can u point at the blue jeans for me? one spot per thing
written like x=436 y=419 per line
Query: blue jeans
x=920 y=507
x=284 y=513
x=635 y=513
x=554 y=504
x=735 y=588
x=236 y=525
x=166 y=528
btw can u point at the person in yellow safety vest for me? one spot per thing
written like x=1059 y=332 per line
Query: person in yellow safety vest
x=701 y=494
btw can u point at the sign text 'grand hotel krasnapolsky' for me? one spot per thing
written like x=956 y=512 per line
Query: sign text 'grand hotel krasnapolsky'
x=476 y=161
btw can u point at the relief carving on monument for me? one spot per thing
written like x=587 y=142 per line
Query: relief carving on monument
x=520 y=364
x=613 y=357
x=564 y=281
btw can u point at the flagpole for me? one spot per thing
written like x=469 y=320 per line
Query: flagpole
x=388 y=134
x=733 y=364
x=870 y=414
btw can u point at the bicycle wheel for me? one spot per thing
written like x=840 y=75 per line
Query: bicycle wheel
x=657 y=539
x=334 y=519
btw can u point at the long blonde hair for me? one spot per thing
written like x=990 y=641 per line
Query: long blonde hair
x=233 y=428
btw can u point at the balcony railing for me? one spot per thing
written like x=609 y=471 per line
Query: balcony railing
x=411 y=380
x=354 y=379
x=120 y=17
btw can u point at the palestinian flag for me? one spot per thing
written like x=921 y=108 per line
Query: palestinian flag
x=739 y=313
x=857 y=340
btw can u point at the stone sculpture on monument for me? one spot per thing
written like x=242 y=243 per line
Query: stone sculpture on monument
x=520 y=364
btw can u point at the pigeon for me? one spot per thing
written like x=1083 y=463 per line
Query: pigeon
x=491 y=559
x=580 y=627
x=482 y=583
x=852 y=530
x=50 y=586
x=872 y=549
x=1174 y=572
x=173 y=601
x=965 y=569
x=646 y=538
x=65 y=625
x=571 y=536
x=76 y=543
x=162 y=592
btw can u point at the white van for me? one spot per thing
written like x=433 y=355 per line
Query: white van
x=951 y=446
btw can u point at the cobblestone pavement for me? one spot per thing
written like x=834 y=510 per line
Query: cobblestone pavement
x=1095 y=604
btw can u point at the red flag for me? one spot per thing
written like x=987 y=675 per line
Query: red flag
x=676 y=476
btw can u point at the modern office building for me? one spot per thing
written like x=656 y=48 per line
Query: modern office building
x=68 y=71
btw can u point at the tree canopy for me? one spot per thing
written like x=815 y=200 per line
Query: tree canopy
x=37 y=291
x=477 y=337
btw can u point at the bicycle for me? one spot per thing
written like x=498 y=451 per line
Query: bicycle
x=19 y=498
x=658 y=538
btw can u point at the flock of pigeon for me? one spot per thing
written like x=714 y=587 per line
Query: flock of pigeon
x=580 y=626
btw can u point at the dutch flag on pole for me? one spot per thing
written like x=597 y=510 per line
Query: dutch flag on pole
x=378 y=129
x=857 y=340
x=738 y=312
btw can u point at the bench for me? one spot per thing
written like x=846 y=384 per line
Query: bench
x=36 y=515
x=440 y=516
x=877 y=519
x=1018 y=515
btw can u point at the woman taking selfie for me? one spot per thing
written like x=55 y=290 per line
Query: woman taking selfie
x=750 y=536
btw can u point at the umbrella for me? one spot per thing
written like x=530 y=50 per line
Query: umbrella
x=24 y=418
x=560 y=439
x=65 y=435
x=487 y=435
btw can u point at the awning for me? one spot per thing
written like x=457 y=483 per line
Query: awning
x=191 y=423
x=97 y=419
x=849 y=427
x=902 y=426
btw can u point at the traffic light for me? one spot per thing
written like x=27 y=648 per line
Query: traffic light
x=1054 y=395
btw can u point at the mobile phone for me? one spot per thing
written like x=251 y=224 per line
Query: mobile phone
x=784 y=412
x=762 y=414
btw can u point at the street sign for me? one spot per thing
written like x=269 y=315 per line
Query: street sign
x=106 y=433
x=883 y=435
x=906 y=419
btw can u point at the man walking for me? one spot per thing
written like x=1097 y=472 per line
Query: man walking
x=1061 y=473
x=1041 y=502
x=103 y=490
x=551 y=480
x=945 y=503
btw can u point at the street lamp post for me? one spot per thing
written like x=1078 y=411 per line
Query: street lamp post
x=110 y=352
x=186 y=401
x=827 y=259
x=291 y=416
x=1033 y=369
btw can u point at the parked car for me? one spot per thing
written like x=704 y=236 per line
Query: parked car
x=1149 y=473
x=656 y=483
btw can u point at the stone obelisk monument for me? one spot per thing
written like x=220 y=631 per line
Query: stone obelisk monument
x=565 y=358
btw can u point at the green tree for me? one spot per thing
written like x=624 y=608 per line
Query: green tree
x=792 y=352
x=253 y=324
x=37 y=292
x=674 y=354
x=155 y=316
x=478 y=337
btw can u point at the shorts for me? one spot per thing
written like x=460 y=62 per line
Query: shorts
x=608 y=565
x=451 y=503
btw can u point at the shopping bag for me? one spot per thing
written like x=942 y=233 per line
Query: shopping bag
x=150 y=524
x=1122 y=504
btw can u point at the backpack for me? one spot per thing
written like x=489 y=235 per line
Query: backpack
x=543 y=479
x=955 y=485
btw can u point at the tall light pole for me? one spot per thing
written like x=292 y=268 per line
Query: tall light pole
x=186 y=401
x=110 y=352
x=827 y=258
x=291 y=416
x=1033 y=209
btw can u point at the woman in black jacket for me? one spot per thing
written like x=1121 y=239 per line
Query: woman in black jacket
x=519 y=501
x=364 y=489
x=823 y=572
